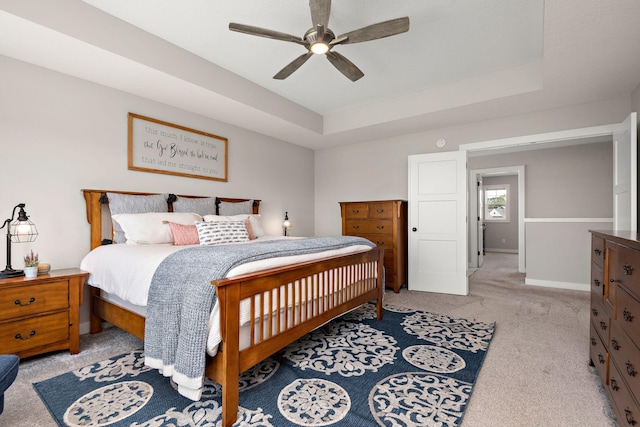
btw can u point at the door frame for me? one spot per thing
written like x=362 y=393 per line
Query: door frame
x=531 y=142
x=473 y=202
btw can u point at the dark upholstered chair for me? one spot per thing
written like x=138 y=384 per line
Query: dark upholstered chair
x=9 y=364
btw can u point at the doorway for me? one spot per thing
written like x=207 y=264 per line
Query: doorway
x=475 y=224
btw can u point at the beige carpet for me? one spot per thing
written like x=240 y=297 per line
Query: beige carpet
x=536 y=372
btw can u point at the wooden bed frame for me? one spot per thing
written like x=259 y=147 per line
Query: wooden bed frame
x=346 y=281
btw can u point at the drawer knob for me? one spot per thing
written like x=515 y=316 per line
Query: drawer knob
x=355 y=211
x=614 y=344
x=355 y=227
x=380 y=243
x=595 y=312
x=598 y=252
x=603 y=325
x=627 y=269
x=380 y=211
x=596 y=282
x=18 y=302
x=627 y=315
x=601 y=359
x=380 y=227
x=593 y=342
x=629 y=416
x=630 y=369
x=614 y=385
x=19 y=337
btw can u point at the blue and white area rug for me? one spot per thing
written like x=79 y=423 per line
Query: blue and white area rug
x=413 y=368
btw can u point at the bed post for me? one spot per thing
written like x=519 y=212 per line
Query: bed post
x=229 y=297
x=94 y=215
x=381 y=283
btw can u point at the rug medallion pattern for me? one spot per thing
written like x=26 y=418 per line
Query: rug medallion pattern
x=413 y=368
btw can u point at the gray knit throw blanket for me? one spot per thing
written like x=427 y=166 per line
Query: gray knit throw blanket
x=181 y=298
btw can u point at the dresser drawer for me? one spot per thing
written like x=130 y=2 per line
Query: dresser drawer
x=628 y=269
x=33 y=332
x=598 y=354
x=381 y=210
x=356 y=210
x=27 y=300
x=626 y=357
x=360 y=227
x=624 y=405
x=382 y=240
x=597 y=250
x=597 y=279
x=628 y=315
x=599 y=317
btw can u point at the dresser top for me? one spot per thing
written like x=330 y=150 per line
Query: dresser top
x=625 y=237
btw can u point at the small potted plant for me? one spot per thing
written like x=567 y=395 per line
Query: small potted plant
x=31 y=264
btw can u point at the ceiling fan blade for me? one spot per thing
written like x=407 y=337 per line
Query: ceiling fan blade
x=293 y=66
x=345 y=66
x=377 y=31
x=263 y=32
x=320 y=10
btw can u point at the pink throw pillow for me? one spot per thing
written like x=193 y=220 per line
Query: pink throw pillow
x=184 y=234
x=247 y=225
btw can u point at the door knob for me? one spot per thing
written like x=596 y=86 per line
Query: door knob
x=414 y=229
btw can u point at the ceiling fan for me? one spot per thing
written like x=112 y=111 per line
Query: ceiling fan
x=320 y=39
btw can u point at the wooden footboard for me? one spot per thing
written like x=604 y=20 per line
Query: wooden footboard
x=289 y=302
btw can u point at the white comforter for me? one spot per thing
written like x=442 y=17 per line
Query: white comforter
x=126 y=272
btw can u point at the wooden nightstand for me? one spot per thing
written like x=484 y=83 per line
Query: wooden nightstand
x=41 y=314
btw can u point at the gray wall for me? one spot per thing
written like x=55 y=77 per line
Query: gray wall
x=61 y=134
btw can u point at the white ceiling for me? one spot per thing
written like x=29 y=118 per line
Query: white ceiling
x=461 y=61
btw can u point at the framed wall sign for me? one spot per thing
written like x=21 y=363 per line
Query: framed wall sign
x=161 y=147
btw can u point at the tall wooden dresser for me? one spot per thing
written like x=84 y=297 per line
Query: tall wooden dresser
x=615 y=319
x=384 y=222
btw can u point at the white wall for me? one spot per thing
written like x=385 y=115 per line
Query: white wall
x=60 y=134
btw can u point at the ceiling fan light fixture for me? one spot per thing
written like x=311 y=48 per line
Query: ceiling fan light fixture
x=319 y=48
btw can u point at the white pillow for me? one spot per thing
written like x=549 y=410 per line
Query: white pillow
x=219 y=232
x=152 y=227
x=256 y=226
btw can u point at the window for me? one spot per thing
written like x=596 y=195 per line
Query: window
x=496 y=202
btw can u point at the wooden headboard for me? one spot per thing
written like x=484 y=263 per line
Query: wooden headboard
x=96 y=200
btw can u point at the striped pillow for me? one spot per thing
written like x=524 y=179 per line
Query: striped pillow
x=219 y=232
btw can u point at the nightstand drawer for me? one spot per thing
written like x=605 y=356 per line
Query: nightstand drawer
x=36 y=331
x=27 y=300
x=381 y=210
x=359 y=227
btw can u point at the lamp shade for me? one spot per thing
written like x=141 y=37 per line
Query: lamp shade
x=22 y=230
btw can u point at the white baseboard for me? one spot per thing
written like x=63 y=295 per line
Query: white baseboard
x=559 y=285
x=504 y=251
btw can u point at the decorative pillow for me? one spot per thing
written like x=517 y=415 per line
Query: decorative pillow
x=152 y=227
x=247 y=225
x=256 y=226
x=219 y=232
x=235 y=208
x=184 y=234
x=201 y=206
x=132 y=204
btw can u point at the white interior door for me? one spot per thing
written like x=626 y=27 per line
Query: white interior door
x=437 y=223
x=625 y=175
